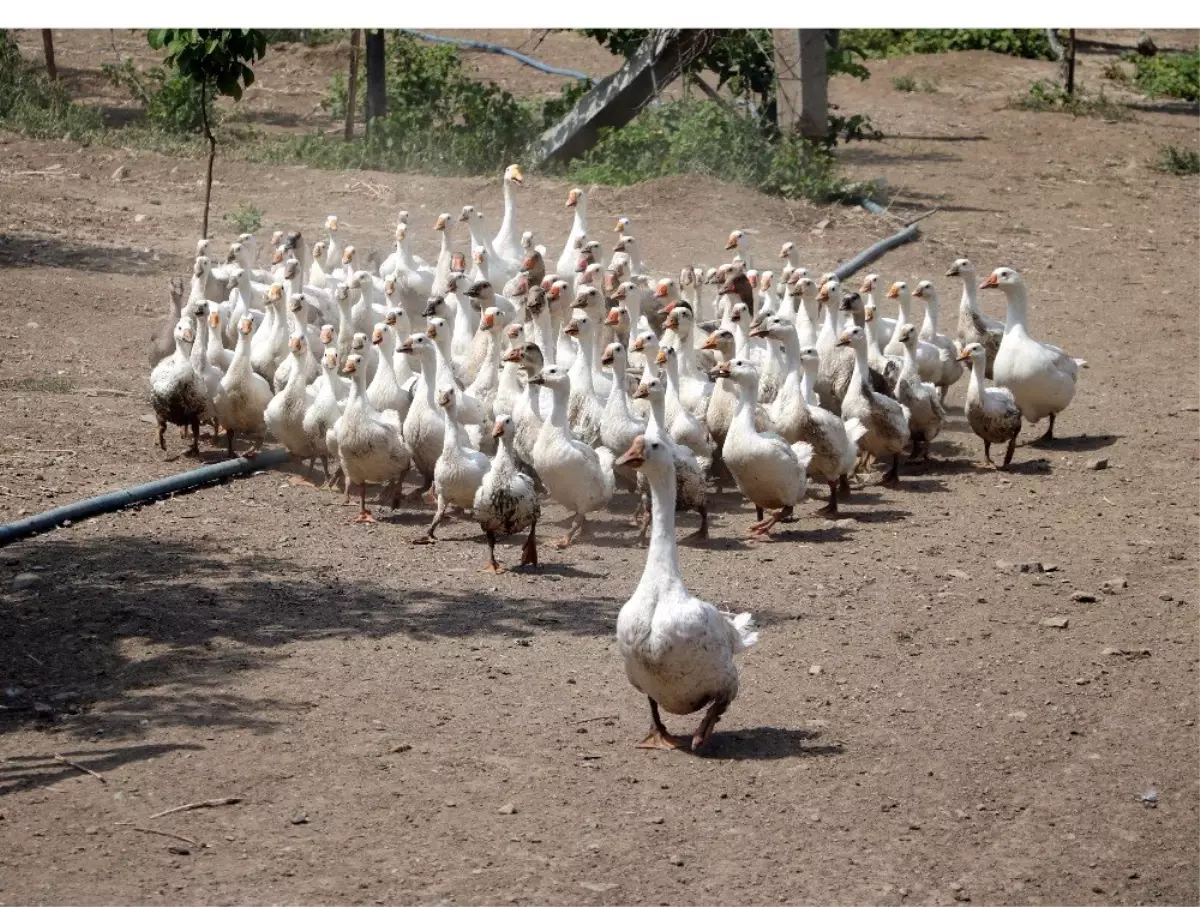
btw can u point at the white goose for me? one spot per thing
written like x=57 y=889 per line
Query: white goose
x=677 y=649
x=973 y=325
x=771 y=473
x=578 y=477
x=952 y=369
x=926 y=414
x=243 y=395
x=507 y=240
x=1040 y=376
x=284 y=415
x=885 y=420
x=369 y=443
x=177 y=393
x=459 y=471
x=565 y=267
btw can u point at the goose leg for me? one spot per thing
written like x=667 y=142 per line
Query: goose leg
x=758 y=512
x=763 y=529
x=711 y=717
x=491 y=564
x=1008 y=453
x=529 y=549
x=700 y=534
x=987 y=453
x=364 y=515
x=576 y=528
x=429 y=538
x=785 y=515
x=162 y=429
x=831 y=507
x=844 y=486
x=1049 y=435
x=194 y=450
x=229 y=438
x=893 y=475
x=658 y=738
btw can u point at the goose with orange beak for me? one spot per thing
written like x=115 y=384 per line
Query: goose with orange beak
x=973 y=325
x=885 y=420
x=1041 y=377
x=678 y=650
x=177 y=392
x=992 y=412
x=507 y=500
x=369 y=443
x=507 y=240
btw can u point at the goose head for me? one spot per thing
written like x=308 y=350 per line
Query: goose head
x=752 y=276
x=649 y=455
x=503 y=428
x=184 y=335
x=200 y=267
x=214 y=319
x=445 y=398
x=235 y=278
x=435 y=328
x=624 y=244
x=806 y=287
x=235 y=249
x=327 y=334
x=329 y=361
x=1004 y=279
x=925 y=290
x=389 y=286
x=527 y=243
x=556 y=290
x=830 y=289
x=492 y=319
x=320 y=247
x=853 y=337
x=963 y=268
x=291 y=268
x=721 y=340
x=574 y=197
x=668 y=359
x=436 y=305
x=741 y=371
x=851 y=302
x=358 y=343
x=342 y=295
x=481 y=290
x=647 y=343
x=347 y=256
x=579 y=327
x=298 y=345
x=297 y=303
x=974 y=352
x=458 y=282
x=740 y=313
x=868 y=284
x=468 y=212
x=773 y=326
x=622 y=225
x=512 y=174
x=809 y=356
x=441 y=222
x=554 y=377
x=353 y=361
x=331 y=223
x=592 y=274
x=246 y=327
x=381 y=334
x=899 y=290
x=202 y=246
x=908 y=336
x=667 y=289
x=650 y=389
x=274 y=293
x=612 y=353
x=786 y=251
x=736 y=238
x=419 y=345
x=587 y=298
x=618 y=318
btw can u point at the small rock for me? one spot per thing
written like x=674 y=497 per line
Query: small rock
x=1110 y=586
x=120 y=173
x=675 y=860
x=32 y=325
x=656 y=820
x=1050 y=568
x=1110 y=651
x=824 y=224
x=1149 y=799
x=1098 y=463
x=92 y=830
x=1081 y=681
x=299 y=818
x=814 y=670
x=598 y=887
x=955 y=886
x=508 y=809
x=1082 y=597
x=958 y=574
x=1166 y=597
x=1025 y=567
x=179 y=849
x=24 y=580
x=845 y=524
x=140 y=218
x=1018 y=715
x=1058 y=623
x=401 y=747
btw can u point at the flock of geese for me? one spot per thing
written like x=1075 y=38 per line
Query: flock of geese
x=502 y=377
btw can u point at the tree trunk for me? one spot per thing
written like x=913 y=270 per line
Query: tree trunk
x=376 y=80
x=1069 y=64
x=48 y=49
x=352 y=83
x=814 y=85
x=212 y=154
x=787 y=78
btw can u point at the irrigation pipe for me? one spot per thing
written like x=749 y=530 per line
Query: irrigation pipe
x=881 y=248
x=138 y=494
x=499 y=49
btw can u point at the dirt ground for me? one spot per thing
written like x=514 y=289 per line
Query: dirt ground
x=401 y=728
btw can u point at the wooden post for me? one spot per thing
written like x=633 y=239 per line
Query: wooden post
x=376 y=76
x=48 y=49
x=787 y=77
x=1069 y=63
x=814 y=85
x=352 y=83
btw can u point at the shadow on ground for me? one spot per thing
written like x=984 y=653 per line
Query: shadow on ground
x=23 y=251
x=153 y=630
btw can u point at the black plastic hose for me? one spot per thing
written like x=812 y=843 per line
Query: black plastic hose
x=138 y=494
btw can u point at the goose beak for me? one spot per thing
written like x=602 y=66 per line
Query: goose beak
x=843 y=340
x=660 y=292
x=513 y=355
x=732 y=244
x=869 y=315
x=430 y=309
x=294 y=344
x=635 y=456
x=991 y=283
x=642 y=392
x=571 y=330
x=516 y=176
x=759 y=331
x=431 y=332
x=488 y=320
x=953 y=272
x=613 y=318
x=377 y=338
x=893 y=291
x=720 y=371
x=962 y=357
x=441 y=222
x=618 y=294
x=918 y=293
x=349 y=369
x=537 y=379
x=710 y=343
x=405 y=347
x=823 y=293
x=572 y=199
x=867 y=286
x=639 y=344
x=498 y=430
x=661 y=358
x=672 y=322
x=606 y=359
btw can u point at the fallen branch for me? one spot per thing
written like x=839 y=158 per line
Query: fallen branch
x=199 y=804
x=598 y=718
x=165 y=834
x=82 y=768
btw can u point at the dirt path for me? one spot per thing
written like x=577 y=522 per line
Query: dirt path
x=402 y=728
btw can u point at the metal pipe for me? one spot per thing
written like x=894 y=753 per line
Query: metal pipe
x=499 y=49
x=127 y=497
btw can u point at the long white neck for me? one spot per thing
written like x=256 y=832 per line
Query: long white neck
x=585 y=371
x=662 y=557
x=743 y=415
x=298 y=379
x=489 y=370
x=861 y=367
x=902 y=317
x=618 y=395
x=558 y=408
x=658 y=414
x=978 y=369
x=510 y=211
x=930 y=323
x=808 y=381
x=1018 y=308
x=908 y=365
x=450 y=435
x=240 y=366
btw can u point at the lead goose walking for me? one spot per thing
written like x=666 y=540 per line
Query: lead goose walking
x=678 y=649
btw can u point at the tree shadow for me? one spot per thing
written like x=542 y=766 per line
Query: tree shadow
x=879 y=156
x=21 y=773
x=152 y=629
x=767 y=743
x=22 y=251
x=1036 y=467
